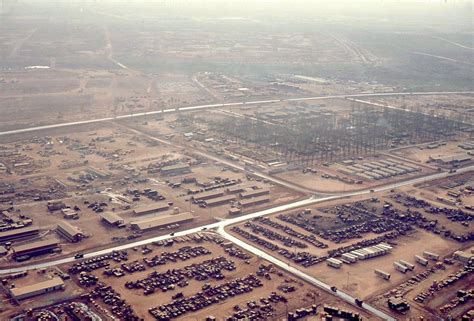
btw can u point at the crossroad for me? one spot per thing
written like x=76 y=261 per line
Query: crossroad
x=220 y=227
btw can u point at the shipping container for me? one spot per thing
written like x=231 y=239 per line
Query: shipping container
x=421 y=260
x=410 y=266
x=349 y=257
x=334 y=263
x=400 y=267
x=431 y=256
x=382 y=274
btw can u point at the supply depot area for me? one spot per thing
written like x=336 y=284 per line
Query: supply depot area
x=180 y=160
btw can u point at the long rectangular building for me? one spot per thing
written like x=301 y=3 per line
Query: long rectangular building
x=152 y=208
x=69 y=232
x=18 y=233
x=162 y=221
x=254 y=201
x=37 y=289
x=112 y=218
x=35 y=248
x=255 y=193
x=220 y=200
x=173 y=170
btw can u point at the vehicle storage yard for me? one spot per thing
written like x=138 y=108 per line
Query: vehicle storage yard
x=343 y=244
x=237 y=282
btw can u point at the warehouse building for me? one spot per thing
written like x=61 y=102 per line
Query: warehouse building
x=452 y=160
x=254 y=201
x=235 y=189
x=162 y=221
x=207 y=195
x=220 y=200
x=255 y=193
x=16 y=234
x=44 y=287
x=150 y=209
x=34 y=248
x=69 y=232
x=111 y=218
x=173 y=170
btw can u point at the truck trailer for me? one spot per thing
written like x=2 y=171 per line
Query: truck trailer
x=382 y=274
x=431 y=256
x=400 y=267
x=410 y=266
x=421 y=260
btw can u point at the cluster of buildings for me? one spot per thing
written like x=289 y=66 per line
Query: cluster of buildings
x=377 y=170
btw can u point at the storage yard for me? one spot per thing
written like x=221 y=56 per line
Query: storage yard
x=139 y=179
x=207 y=271
x=372 y=246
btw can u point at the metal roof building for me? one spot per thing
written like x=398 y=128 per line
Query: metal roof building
x=162 y=221
x=111 y=218
x=254 y=201
x=220 y=200
x=178 y=169
x=35 y=248
x=37 y=289
x=18 y=233
x=255 y=193
x=69 y=232
x=151 y=208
